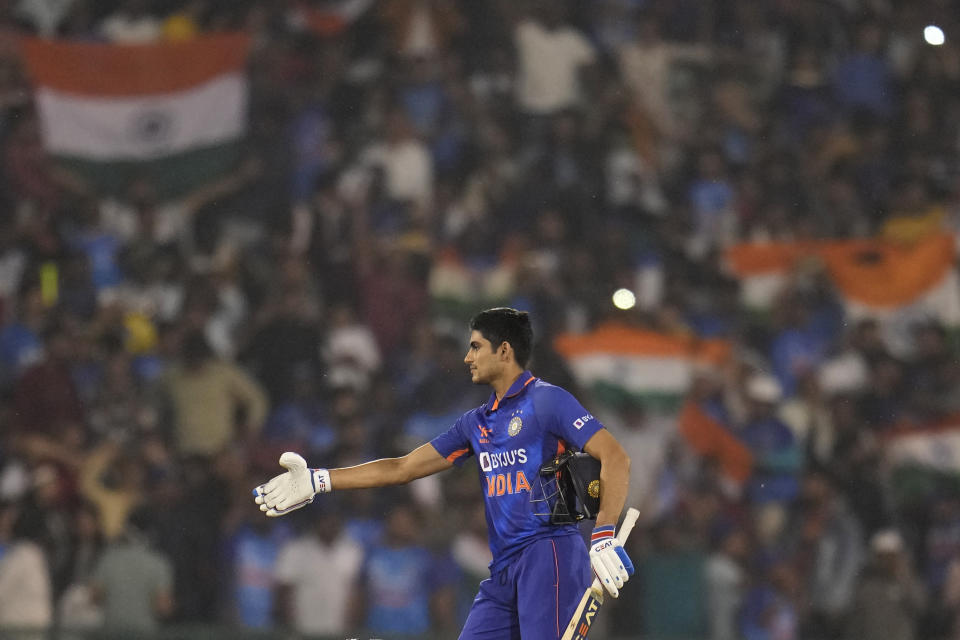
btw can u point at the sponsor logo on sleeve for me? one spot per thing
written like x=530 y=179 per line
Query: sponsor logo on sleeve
x=582 y=420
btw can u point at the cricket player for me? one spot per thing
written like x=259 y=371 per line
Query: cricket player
x=539 y=570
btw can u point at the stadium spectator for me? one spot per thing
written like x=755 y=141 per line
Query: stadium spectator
x=889 y=597
x=49 y=502
x=726 y=578
x=26 y=593
x=863 y=78
x=187 y=22
x=648 y=438
x=253 y=549
x=777 y=454
x=830 y=553
x=48 y=417
x=21 y=340
x=553 y=62
x=303 y=421
x=420 y=28
x=206 y=395
x=131 y=23
x=647 y=62
x=134 y=581
x=115 y=498
x=315 y=574
x=285 y=334
x=351 y=353
x=76 y=609
x=411 y=158
x=770 y=607
x=403 y=588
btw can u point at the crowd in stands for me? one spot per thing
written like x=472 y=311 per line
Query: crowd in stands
x=409 y=162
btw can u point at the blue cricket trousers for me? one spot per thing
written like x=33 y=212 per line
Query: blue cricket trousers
x=534 y=595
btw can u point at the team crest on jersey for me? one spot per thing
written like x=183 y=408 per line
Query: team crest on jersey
x=513 y=428
x=594 y=489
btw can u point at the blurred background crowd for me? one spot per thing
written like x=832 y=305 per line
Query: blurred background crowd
x=407 y=163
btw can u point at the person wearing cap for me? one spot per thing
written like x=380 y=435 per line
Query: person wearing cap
x=889 y=599
x=778 y=457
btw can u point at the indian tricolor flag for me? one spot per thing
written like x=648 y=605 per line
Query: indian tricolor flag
x=923 y=459
x=458 y=289
x=171 y=111
x=711 y=438
x=893 y=282
x=617 y=361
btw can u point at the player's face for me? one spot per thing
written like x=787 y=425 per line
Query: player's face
x=482 y=359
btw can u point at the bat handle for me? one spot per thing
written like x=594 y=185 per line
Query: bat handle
x=628 y=521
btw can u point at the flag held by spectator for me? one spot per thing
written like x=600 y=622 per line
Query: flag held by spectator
x=615 y=360
x=711 y=439
x=174 y=112
x=935 y=447
x=893 y=282
x=884 y=278
x=923 y=459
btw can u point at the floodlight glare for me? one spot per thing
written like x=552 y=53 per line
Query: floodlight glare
x=624 y=299
x=933 y=35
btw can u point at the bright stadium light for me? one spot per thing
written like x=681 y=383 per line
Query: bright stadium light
x=624 y=299
x=933 y=35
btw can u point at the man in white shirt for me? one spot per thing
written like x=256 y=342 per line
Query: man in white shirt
x=647 y=64
x=25 y=589
x=45 y=16
x=132 y=23
x=315 y=573
x=551 y=57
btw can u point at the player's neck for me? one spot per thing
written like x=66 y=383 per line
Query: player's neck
x=503 y=382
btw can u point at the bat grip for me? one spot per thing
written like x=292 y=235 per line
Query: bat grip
x=628 y=521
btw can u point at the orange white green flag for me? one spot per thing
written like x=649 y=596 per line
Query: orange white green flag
x=174 y=111
x=616 y=361
x=922 y=460
x=896 y=283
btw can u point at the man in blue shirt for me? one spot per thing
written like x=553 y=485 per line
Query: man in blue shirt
x=539 y=569
x=402 y=580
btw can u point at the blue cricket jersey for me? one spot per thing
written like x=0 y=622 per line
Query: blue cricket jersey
x=511 y=440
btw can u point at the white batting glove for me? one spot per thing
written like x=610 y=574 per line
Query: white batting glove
x=291 y=490
x=609 y=560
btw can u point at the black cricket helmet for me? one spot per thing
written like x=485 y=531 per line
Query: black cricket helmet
x=569 y=488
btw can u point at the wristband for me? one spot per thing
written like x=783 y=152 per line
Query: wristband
x=601 y=533
x=321 y=481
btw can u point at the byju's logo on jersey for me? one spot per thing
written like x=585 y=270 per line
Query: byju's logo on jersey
x=515 y=425
x=582 y=420
x=490 y=461
x=506 y=482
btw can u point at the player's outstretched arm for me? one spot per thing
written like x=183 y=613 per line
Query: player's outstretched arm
x=422 y=461
x=297 y=487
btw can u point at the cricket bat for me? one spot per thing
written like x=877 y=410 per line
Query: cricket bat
x=592 y=598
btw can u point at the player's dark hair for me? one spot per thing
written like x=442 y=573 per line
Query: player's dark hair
x=503 y=324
